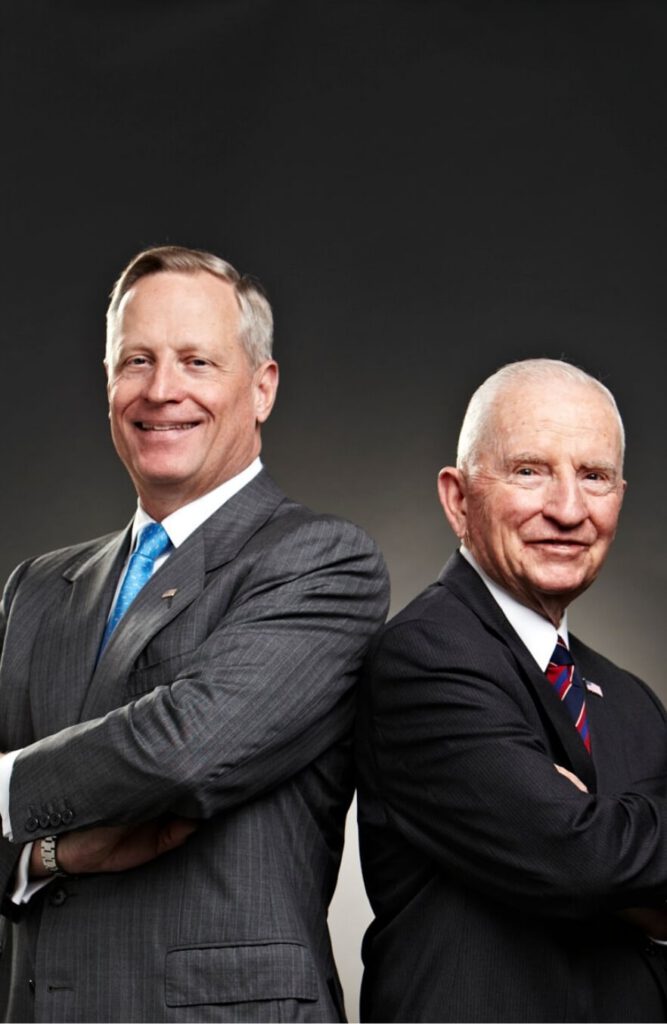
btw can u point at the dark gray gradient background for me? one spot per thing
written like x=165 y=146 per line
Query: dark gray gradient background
x=427 y=190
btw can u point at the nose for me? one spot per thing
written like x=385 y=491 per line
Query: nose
x=565 y=502
x=164 y=384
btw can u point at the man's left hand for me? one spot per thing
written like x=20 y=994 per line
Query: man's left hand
x=114 y=847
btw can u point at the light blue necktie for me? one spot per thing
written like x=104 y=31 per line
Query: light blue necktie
x=153 y=542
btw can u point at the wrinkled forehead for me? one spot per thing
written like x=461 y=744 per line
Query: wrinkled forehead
x=558 y=417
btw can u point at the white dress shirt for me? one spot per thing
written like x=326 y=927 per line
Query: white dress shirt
x=179 y=525
x=537 y=633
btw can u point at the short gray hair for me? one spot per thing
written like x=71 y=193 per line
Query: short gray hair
x=482 y=405
x=256 y=320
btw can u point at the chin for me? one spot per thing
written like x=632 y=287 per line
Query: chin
x=567 y=588
x=166 y=470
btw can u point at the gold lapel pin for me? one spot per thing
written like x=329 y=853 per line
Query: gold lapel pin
x=170 y=593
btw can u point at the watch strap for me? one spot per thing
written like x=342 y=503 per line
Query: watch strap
x=47 y=849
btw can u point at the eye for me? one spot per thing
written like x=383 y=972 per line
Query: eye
x=599 y=481
x=135 y=362
x=528 y=475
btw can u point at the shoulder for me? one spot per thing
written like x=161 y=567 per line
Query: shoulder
x=308 y=535
x=271 y=523
x=58 y=562
x=440 y=631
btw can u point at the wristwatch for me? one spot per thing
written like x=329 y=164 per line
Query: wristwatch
x=47 y=849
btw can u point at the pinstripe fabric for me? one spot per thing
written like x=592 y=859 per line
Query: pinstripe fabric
x=231 y=701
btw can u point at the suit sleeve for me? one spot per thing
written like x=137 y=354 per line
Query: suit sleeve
x=9 y=852
x=269 y=689
x=463 y=775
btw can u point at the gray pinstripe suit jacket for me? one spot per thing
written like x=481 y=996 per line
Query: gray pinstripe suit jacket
x=231 y=702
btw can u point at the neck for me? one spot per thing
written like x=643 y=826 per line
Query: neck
x=548 y=608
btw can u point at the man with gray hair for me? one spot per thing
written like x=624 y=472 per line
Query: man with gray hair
x=512 y=800
x=177 y=699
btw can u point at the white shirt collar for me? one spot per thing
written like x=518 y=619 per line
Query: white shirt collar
x=537 y=633
x=184 y=521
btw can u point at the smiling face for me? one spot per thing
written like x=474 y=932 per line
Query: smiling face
x=539 y=511
x=184 y=402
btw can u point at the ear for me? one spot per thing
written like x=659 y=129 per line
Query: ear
x=108 y=384
x=265 y=386
x=453 y=498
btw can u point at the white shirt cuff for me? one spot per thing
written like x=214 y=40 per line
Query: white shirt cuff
x=24 y=889
x=6 y=766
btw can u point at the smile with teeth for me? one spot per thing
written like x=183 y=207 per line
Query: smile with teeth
x=165 y=426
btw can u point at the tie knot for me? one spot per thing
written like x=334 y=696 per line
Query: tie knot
x=561 y=654
x=153 y=541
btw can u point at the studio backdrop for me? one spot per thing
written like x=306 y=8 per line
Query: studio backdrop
x=426 y=189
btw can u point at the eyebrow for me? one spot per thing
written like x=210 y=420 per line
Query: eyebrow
x=525 y=457
x=534 y=457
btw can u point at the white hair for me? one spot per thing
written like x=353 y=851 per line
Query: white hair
x=256 y=319
x=476 y=429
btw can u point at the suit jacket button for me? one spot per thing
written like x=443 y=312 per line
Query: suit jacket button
x=31 y=824
x=67 y=816
x=55 y=819
x=44 y=820
x=58 y=897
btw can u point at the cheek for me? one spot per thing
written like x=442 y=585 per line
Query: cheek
x=120 y=396
x=606 y=529
x=605 y=519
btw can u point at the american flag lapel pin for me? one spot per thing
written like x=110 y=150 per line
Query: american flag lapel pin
x=593 y=688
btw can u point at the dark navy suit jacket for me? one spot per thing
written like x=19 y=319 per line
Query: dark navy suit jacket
x=495 y=882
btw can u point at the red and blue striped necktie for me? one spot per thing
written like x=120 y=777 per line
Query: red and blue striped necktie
x=566 y=681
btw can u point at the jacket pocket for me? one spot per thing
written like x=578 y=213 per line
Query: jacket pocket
x=237 y=973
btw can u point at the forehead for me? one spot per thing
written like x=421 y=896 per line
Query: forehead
x=178 y=303
x=556 y=419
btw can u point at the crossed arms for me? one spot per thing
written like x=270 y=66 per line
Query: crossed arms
x=465 y=777
x=268 y=690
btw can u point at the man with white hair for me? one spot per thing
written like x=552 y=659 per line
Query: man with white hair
x=512 y=803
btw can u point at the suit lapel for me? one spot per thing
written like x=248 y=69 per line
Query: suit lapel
x=65 y=656
x=176 y=585
x=460 y=577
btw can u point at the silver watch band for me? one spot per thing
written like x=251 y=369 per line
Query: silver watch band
x=47 y=849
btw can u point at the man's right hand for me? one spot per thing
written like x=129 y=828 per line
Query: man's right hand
x=114 y=847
